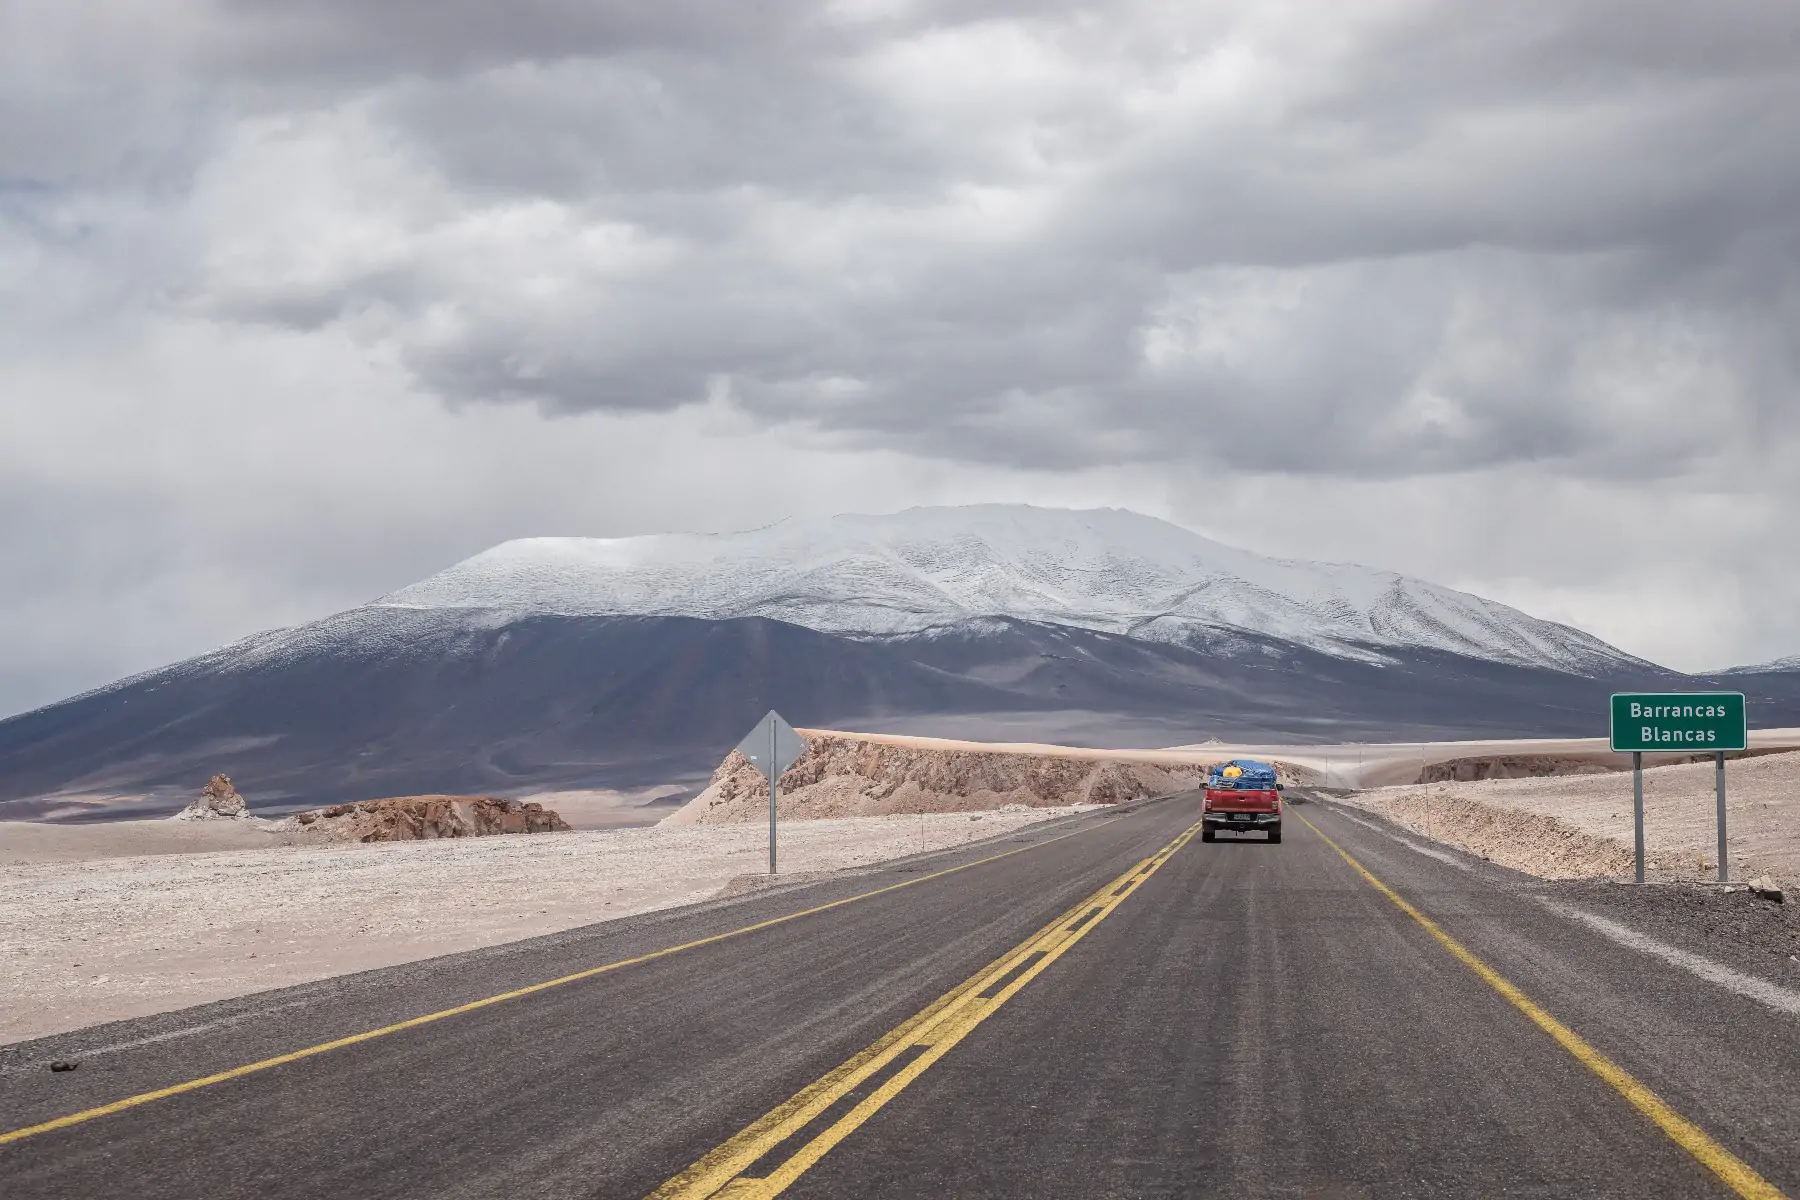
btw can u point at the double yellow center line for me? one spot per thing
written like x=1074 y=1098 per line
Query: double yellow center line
x=769 y=1155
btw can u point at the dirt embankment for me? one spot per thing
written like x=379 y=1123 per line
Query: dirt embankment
x=1564 y=826
x=1534 y=843
x=842 y=775
x=422 y=818
x=1508 y=766
x=1536 y=766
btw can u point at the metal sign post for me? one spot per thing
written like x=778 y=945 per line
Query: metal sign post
x=1637 y=809
x=772 y=747
x=1719 y=788
x=1677 y=721
x=774 y=783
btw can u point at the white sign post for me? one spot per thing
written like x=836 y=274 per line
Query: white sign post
x=772 y=746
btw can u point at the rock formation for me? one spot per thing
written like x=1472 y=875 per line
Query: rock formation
x=417 y=818
x=217 y=800
x=845 y=776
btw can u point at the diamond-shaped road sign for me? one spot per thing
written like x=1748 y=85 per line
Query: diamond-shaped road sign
x=772 y=739
x=772 y=746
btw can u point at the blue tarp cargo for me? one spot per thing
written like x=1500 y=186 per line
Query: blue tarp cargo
x=1251 y=776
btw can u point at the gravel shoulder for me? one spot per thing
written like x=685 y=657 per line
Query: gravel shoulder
x=88 y=935
x=1736 y=928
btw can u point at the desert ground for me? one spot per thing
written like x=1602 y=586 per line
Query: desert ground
x=102 y=922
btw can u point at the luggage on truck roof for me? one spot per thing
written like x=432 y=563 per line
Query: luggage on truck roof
x=1246 y=766
x=1243 y=772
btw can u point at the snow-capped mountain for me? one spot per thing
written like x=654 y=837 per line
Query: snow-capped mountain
x=927 y=570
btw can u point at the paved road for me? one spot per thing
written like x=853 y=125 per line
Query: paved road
x=1244 y=1020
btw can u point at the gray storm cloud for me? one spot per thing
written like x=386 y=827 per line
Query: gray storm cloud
x=1439 y=238
x=1551 y=247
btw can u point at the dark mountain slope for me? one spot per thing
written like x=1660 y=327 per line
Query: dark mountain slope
x=1238 y=685
x=419 y=705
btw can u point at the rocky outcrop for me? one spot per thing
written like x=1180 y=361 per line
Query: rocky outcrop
x=217 y=801
x=845 y=776
x=418 y=818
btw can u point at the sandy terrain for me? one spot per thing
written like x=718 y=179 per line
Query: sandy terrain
x=39 y=842
x=48 y=841
x=87 y=936
x=1580 y=825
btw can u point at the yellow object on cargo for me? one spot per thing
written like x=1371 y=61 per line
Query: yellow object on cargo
x=1232 y=772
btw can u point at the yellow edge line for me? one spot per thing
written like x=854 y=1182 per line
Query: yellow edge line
x=939 y=1026
x=1736 y=1174
x=192 y=1085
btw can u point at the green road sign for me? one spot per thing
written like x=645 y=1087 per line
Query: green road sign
x=1677 y=721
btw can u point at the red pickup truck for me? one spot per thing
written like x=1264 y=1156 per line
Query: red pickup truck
x=1241 y=796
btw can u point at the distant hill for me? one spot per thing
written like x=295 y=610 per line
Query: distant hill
x=1771 y=687
x=1777 y=666
x=560 y=663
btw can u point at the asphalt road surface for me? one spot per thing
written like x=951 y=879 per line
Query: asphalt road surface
x=1111 y=1008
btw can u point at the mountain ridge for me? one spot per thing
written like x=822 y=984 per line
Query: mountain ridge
x=1790 y=662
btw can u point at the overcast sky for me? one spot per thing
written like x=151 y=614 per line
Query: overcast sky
x=300 y=302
